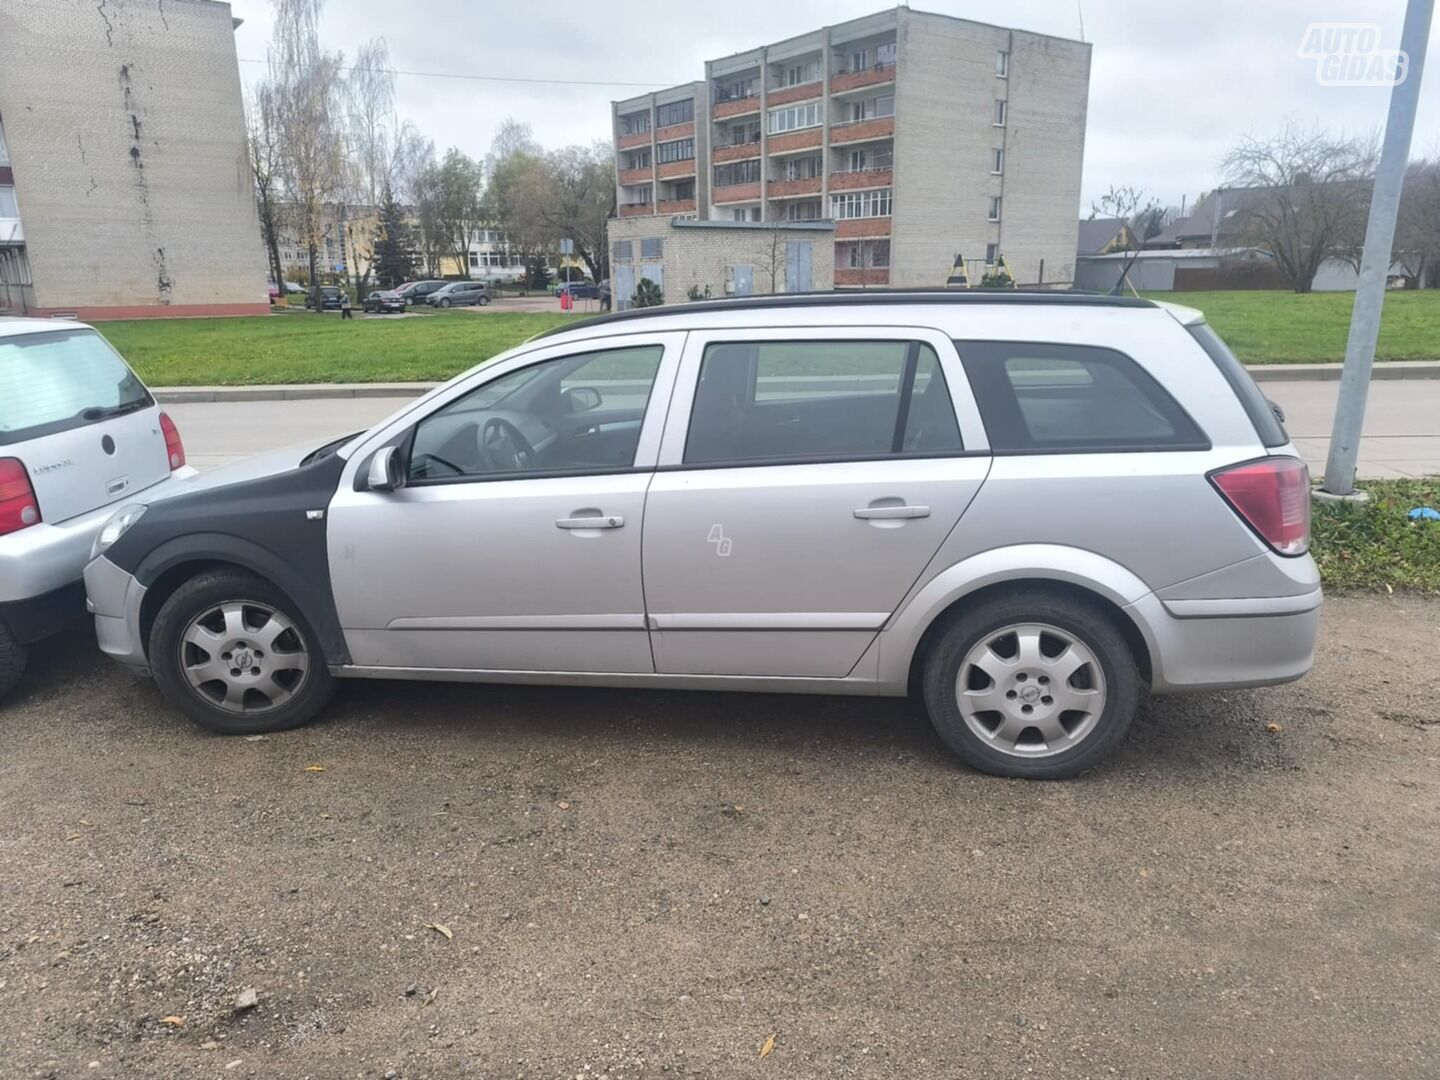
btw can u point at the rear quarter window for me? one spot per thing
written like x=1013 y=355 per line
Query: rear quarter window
x=1038 y=397
x=1267 y=424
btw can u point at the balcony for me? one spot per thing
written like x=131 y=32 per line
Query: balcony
x=793 y=140
x=861 y=178
x=881 y=127
x=736 y=152
x=878 y=75
x=675 y=131
x=672 y=169
x=735 y=107
x=733 y=193
x=855 y=228
x=785 y=95
x=870 y=275
x=635 y=176
x=638 y=138
x=784 y=189
x=636 y=209
x=676 y=206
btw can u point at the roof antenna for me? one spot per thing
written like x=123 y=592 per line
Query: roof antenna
x=1080 y=11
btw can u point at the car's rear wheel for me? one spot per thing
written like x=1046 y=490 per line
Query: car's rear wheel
x=445 y=302
x=1033 y=684
x=233 y=653
x=13 y=656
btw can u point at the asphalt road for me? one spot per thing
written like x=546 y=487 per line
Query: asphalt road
x=1402 y=429
x=653 y=884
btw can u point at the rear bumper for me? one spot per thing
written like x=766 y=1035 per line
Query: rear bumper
x=116 y=597
x=40 y=616
x=1230 y=643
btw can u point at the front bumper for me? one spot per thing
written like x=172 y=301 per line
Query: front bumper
x=116 y=597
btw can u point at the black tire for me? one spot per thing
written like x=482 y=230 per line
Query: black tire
x=484 y=300
x=13 y=656
x=1089 y=625
x=208 y=590
x=445 y=302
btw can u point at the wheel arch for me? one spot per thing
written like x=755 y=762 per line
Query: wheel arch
x=1071 y=572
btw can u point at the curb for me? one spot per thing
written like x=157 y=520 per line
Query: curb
x=176 y=395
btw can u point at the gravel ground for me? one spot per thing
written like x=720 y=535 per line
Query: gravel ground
x=656 y=884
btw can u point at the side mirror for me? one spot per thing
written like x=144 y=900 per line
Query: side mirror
x=582 y=398
x=384 y=474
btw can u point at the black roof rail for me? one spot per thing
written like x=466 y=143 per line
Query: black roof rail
x=939 y=295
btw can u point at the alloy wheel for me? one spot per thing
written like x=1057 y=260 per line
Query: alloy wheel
x=243 y=656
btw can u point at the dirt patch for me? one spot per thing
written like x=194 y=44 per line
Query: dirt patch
x=653 y=884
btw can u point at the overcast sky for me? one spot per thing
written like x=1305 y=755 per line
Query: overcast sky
x=1172 y=85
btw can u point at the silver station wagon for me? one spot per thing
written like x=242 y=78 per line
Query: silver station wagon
x=1028 y=509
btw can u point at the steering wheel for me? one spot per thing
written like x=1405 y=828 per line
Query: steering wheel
x=504 y=447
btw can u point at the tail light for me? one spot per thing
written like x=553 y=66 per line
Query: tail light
x=1272 y=496
x=18 y=506
x=174 y=448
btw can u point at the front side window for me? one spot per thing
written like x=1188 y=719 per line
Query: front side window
x=60 y=380
x=570 y=414
x=1052 y=398
x=776 y=401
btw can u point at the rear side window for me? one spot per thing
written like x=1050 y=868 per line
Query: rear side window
x=1267 y=424
x=827 y=400
x=60 y=380
x=1050 y=398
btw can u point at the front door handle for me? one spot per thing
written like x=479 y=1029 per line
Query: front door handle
x=594 y=521
x=891 y=513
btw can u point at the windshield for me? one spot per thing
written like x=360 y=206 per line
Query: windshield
x=60 y=380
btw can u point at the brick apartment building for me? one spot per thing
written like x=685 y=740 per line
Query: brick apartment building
x=124 y=188
x=922 y=136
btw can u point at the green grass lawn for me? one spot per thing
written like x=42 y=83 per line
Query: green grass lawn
x=304 y=347
x=1266 y=327
x=1375 y=546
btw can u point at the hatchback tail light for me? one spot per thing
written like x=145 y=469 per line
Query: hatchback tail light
x=1272 y=496
x=19 y=508
x=174 y=448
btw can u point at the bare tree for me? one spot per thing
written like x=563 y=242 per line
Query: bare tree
x=1309 y=193
x=306 y=81
x=370 y=93
x=1417 y=229
x=263 y=145
x=1136 y=211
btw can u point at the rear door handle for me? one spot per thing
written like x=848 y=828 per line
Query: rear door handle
x=607 y=521
x=873 y=513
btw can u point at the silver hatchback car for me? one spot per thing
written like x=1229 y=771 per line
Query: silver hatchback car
x=1028 y=509
x=79 y=434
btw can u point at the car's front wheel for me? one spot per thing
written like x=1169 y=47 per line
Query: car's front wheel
x=445 y=302
x=1034 y=684
x=484 y=300
x=12 y=660
x=233 y=653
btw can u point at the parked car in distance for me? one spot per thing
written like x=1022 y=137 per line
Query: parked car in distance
x=580 y=290
x=79 y=433
x=330 y=298
x=294 y=288
x=384 y=300
x=460 y=294
x=417 y=292
x=1027 y=508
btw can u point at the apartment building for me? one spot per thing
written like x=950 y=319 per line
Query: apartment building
x=124 y=190
x=923 y=137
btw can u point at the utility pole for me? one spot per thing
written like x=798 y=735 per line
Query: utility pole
x=1375 y=259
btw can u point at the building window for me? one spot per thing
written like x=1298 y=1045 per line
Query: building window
x=635 y=123
x=794 y=117
x=743 y=213
x=798 y=74
x=736 y=89
x=869 y=110
x=741 y=134
x=8 y=207
x=640 y=160
x=474 y=260
x=860 y=204
x=997 y=163
x=4 y=150
x=803 y=168
x=652 y=248
x=737 y=172
x=683 y=191
x=621 y=251
x=868 y=254
x=994 y=207
x=676 y=112
x=992 y=253
x=1000 y=113
x=806 y=210
x=870 y=160
x=681 y=150
x=1002 y=64
x=885 y=54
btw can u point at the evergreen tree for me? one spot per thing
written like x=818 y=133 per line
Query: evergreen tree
x=395 y=255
